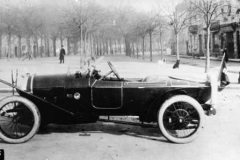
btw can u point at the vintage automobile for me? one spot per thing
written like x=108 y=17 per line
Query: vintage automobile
x=177 y=105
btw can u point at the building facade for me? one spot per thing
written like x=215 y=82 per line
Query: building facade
x=224 y=32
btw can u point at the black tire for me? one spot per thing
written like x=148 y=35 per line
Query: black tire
x=181 y=119
x=19 y=119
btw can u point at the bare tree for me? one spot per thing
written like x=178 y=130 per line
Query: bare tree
x=1 y=28
x=19 y=32
x=8 y=20
x=209 y=10
x=142 y=28
x=161 y=28
x=95 y=17
x=28 y=26
x=126 y=24
x=178 y=17
x=85 y=19
x=152 y=24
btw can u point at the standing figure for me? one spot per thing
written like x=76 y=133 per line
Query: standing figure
x=226 y=54
x=62 y=54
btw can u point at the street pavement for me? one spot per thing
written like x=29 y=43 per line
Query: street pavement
x=220 y=139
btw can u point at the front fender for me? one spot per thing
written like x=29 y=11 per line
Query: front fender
x=35 y=99
x=41 y=102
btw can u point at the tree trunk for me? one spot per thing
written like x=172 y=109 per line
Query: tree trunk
x=207 y=66
x=107 y=46
x=127 y=45
x=137 y=50
x=120 y=47
x=61 y=41
x=41 y=48
x=150 y=36
x=97 y=46
x=48 y=50
x=36 y=52
x=111 y=46
x=75 y=49
x=47 y=47
x=101 y=47
x=54 y=46
x=0 y=45
x=84 y=44
x=161 y=48
x=143 y=47
x=91 y=45
x=68 y=46
x=177 y=46
x=29 y=51
x=133 y=50
x=19 y=46
x=104 y=46
x=75 y=46
x=115 y=49
x=9 y=46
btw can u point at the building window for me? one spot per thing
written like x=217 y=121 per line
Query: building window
x=215 y=42
x=238 y=10
x=23 y=48
x=229 y=9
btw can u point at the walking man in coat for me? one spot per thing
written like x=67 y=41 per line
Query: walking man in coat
x=226 y=54
x=62 y=54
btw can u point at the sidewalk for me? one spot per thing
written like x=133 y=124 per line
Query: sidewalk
x=231 y=69
x=195 y=66
x=211 y=58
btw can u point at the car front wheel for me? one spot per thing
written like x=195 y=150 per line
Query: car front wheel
x=181 y=119
x=19 y=119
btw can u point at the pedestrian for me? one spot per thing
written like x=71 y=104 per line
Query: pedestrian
x=29 y=55
x=62 y=54
x=226 y=54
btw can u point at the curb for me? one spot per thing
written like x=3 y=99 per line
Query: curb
x=203 y=58
x=233 y=85
x=219 y=59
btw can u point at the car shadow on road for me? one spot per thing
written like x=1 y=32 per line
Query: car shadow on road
x=150 y=133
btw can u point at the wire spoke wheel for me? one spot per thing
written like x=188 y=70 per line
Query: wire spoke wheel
x=181 y=119
x=19 y=119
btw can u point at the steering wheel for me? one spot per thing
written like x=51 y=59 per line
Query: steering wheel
x=113 y=70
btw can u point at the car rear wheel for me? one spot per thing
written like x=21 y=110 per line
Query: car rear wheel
x=19 y=119
x=181 y=119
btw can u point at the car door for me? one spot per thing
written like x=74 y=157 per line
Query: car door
x=107 y=94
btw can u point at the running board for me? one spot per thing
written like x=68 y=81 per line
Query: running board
x=129 y=123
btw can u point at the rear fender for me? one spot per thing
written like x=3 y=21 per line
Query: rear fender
x=149 y=115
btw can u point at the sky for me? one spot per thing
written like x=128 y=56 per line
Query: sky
x=140 y=5
x=145 y=5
